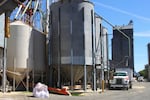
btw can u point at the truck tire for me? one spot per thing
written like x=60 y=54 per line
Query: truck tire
x=130 y=86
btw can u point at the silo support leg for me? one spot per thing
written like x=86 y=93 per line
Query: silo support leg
x=85 y=78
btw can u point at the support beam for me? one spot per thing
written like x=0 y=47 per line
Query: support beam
x=85 y=78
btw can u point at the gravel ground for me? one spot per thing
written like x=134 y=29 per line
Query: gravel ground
x=140 y=91
x=29 y=96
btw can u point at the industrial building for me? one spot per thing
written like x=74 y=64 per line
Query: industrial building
x=147 y=67
x=77 y=48
x=122 y=47
x=148 y=51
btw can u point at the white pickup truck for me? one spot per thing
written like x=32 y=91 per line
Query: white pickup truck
x=120 y=80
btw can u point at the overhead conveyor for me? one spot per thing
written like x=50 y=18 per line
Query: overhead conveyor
x=9 y=5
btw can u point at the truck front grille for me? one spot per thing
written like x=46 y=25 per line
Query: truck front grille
x=118 y=81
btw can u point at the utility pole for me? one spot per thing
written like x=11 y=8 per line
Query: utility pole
x=102 y=63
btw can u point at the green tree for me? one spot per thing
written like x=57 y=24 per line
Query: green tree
x=143 y=73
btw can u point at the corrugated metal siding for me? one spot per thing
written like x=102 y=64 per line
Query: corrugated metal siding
x=120 y=47
x=71 y=32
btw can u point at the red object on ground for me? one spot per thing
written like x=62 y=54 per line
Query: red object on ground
x=59 y=91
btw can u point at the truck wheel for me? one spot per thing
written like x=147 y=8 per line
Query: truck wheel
x=130 y=86
x=109 y=88
x=127 y=88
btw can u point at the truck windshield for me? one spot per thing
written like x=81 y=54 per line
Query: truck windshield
x=120 y=74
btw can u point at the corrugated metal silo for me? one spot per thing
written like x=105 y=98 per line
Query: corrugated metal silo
x=72 y=29
x=98 y=22
x=105 y=47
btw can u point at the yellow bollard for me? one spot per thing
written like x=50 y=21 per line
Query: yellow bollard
x=7 y=27
x=103 y=85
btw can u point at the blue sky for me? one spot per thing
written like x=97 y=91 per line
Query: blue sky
x=119 y=12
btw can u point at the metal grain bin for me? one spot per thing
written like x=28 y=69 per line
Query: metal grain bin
x=105 y=47
x=71 y=38
x=98 y=53
x=71 y=32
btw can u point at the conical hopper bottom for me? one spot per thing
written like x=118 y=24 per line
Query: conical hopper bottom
x=18 y=74
x=77 y=72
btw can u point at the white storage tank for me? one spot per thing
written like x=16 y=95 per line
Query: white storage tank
x=25 y=51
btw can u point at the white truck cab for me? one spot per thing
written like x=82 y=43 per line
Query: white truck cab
x=120 y=80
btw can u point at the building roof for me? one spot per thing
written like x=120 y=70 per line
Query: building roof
x=129 y=26
x=123 y=27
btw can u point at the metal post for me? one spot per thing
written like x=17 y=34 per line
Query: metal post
x=58 y=83
x=93 y=51
x=85 y=78
x=4 y=67
x=7 y=34
x=71 y=76
x=94 y=72
x=14 y=78
x=71 y=55
x=32 y=76
x=102 y=75
x=102 y=62
x=103 y=85
x=59 y=49
x=108 y=72
x=47 y=15
x=27 y=79
x=107 y=60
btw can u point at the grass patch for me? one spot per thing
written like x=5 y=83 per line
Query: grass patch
x=76 y=94
x=27 y=92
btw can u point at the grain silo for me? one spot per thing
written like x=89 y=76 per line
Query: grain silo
x=105 y=47
x=98 y=25
x=25 y=53
x=71 y=42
